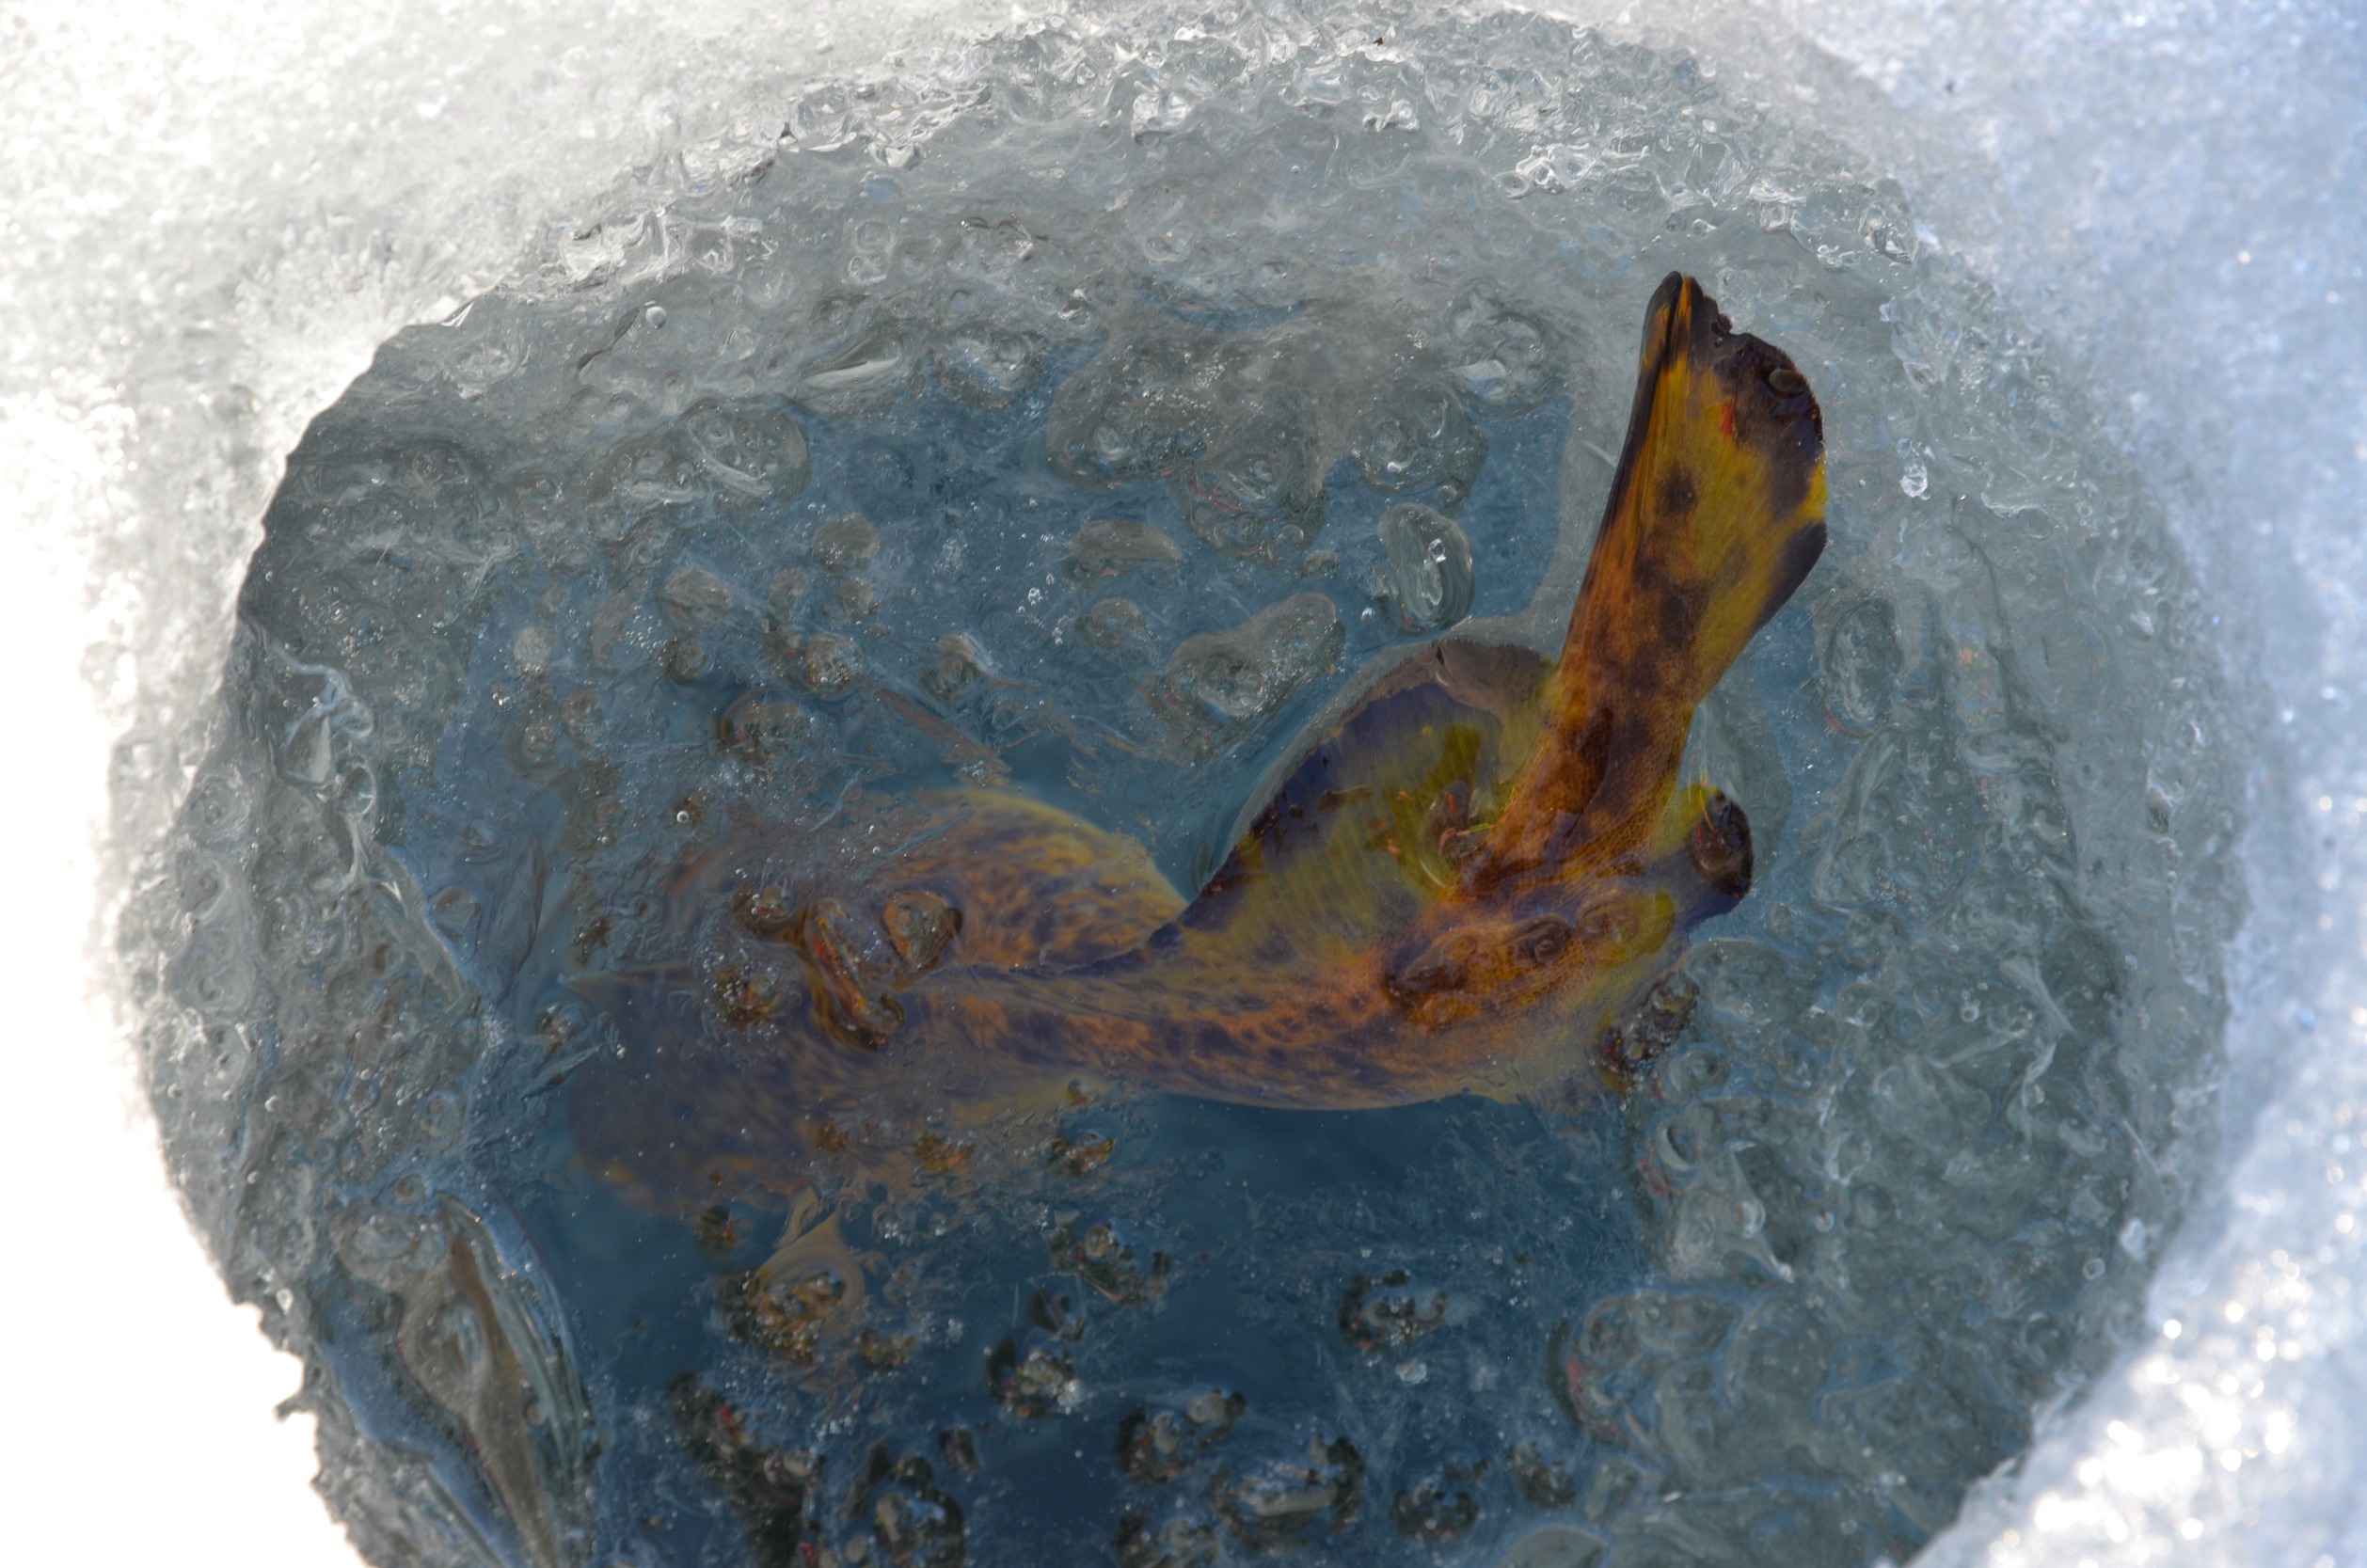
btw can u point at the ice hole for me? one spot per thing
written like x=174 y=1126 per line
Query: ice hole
x=1058 y=419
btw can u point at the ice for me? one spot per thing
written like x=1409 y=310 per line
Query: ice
x=1222 y=685
x=2030 y=950
x=1246 y=424
x=846 y=543
x=1426 y=582
x=1106 y=547
x=724 y=545
x=1154 y=1447
x=477 y=1341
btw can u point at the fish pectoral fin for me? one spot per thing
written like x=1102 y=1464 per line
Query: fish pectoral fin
x=1372 y=827
x=1715 y=518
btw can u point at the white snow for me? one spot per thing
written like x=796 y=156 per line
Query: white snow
x=214 y=211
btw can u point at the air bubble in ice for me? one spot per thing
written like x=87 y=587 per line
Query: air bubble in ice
x=985 y=367
x=845 y=544
x=1221 y=686
x=957 y=668
x=1440 y=1507
x=1857 y=650
x=862 y=378
x=532 y=648
x=695 y=599
x=1257 y=489
x=1107 y=546
x=1244 y=425
x=1502 y=361
x=1554 y=1546
x=824 y=664
x=1287 y=1498
x=1426 y=578
x=1413 y=436
x=1111 y=623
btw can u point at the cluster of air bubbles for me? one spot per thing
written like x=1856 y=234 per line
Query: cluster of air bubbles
x=1245 y=426
x=1075 y=414
x=1426 y=577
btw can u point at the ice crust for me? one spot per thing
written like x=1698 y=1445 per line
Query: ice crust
x=2037 y=648
x=1895 y=1184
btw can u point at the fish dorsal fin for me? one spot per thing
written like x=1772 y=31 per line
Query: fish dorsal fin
x=1716 y=516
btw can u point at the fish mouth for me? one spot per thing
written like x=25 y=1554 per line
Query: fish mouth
x=1490 y=965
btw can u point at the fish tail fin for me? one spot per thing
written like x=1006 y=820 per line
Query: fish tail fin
x=1716 y=516
x=1716 y=510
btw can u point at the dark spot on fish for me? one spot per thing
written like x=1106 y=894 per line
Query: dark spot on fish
x=1774 y=405
x=1449 y=818
x=1679 y=615
x=1460 y=847
x=1610 y=922
x=1678 y=493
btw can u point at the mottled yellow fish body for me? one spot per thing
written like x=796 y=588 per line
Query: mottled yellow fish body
x=1461 y=888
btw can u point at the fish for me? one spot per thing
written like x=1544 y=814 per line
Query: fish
x=1477 y=880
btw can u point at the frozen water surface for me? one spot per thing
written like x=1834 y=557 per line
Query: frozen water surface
x=1082 y=407
x=679 y=563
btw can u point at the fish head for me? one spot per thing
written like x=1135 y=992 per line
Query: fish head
x=1474 y=962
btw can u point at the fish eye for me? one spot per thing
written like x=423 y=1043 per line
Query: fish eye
x=1540 y=941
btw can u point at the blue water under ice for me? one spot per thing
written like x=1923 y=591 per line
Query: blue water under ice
x=1268 y=1215
x=745 y=520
